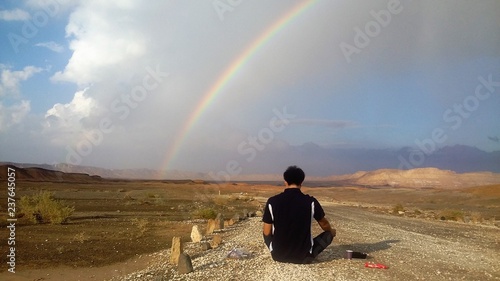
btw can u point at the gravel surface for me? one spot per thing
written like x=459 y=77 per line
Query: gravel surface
x=414 y=249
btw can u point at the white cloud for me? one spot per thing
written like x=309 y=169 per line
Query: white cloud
x=53 y=46
x=15 y=114
x=14 y=15
x=64 y=123
x=69 y=115
x=102 y=49
x=9 y=80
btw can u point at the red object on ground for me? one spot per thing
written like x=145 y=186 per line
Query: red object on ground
x=376 y=265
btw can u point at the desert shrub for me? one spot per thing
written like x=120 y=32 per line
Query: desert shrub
x=44 y=208
x=205 y=213
x=398 y=208
x=476 y=217
x=222 y=200
x=152 y=195
x=452 y=215
x=142 y=225
x=128 y=196
x=80 y=237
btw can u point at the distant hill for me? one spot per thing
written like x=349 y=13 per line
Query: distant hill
x=42 y=174
x=135 y=174
x=418 y=178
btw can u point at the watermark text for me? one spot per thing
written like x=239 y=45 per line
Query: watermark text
x=11 y=219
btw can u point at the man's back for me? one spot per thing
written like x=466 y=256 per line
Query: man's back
x=291 y=214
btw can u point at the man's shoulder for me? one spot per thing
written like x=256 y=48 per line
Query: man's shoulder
x=283 y=195
x=276 y=197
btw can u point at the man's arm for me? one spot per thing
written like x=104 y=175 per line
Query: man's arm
x=325 y=225
x=267 y=233
x=267 y=229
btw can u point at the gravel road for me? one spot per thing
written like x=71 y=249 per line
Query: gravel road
x=414 y=249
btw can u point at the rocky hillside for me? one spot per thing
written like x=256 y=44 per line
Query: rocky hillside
x=41 y=174
x=419 y=178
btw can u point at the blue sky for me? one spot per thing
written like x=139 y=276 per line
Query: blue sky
x=68 y=69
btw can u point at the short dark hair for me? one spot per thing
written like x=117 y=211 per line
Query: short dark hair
x=294 y=175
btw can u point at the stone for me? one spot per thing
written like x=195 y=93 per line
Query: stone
x=205 y=246
x=245 y=214
x=185 y=265
x=176 y=250
x=195 y=234
x=216 y=241
x=259 y=213
x=210 y=226
x=219 y=222
x=230 y=222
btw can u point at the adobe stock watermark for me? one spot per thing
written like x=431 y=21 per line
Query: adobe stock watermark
x=121 y=108
x=32 y=26
x=453 y=116
x=223 y=6
x=253 y=144
x=371 y=29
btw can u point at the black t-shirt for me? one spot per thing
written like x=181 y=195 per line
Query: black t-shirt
x=291 y=213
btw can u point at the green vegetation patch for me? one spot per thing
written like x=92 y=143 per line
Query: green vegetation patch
x=42 y=207
x=205 y=213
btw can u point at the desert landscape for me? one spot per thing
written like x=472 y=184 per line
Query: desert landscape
x=121 y=227
x=128 y=128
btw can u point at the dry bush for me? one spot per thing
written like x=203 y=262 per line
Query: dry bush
x=222 y=200
x=44 y=208
x=142 y=225
x=476 y=217
x=80 y=237
x=451 y=215
x=398 y=208
x=128 y=196
x=205 y=213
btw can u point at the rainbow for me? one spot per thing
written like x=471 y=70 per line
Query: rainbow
x=209 y=97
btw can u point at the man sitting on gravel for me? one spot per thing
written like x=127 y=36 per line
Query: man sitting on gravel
x=287 y=222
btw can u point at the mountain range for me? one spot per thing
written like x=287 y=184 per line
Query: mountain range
x=332 y=161
x=414 y=178
x=321 y=164
x=450 y=166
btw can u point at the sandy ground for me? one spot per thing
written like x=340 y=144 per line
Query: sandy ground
x=414 y=249
x=87 y=273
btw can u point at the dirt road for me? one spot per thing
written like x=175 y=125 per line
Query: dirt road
x=415 y=249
